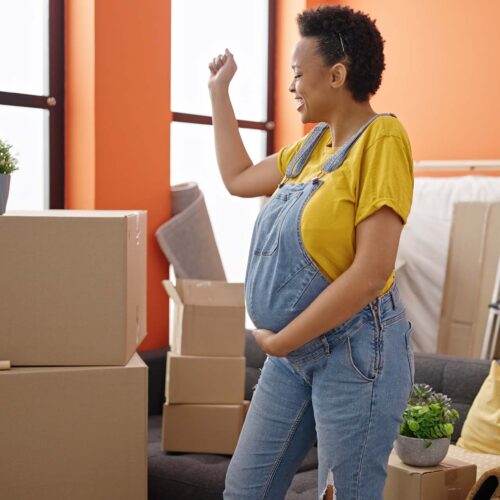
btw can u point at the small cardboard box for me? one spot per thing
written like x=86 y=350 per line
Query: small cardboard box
x=72 y=287
x=199 y=428
x=450 y=480
x=74 y=433
x=470 y=275
x=209 y=317
x=205 y=379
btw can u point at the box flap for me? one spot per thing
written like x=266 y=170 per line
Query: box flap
x=172 y=291
x=211 y=292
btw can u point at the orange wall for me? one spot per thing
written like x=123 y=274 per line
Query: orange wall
x=80 y=109
x=442 y=76
x=288 y=127
x=118 y=122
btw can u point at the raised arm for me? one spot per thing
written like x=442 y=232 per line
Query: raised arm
x=240 y=176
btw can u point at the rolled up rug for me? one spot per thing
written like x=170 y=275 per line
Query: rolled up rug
x=187 y=238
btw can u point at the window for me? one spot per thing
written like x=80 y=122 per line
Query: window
x=200 y=31
x=32 y=100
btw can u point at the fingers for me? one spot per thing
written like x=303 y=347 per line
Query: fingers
x=219 y=61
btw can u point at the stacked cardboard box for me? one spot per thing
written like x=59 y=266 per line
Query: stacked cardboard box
x=73 y=422
x=205 y=377
x=473 y=258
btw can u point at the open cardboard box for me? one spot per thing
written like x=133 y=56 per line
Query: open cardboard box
x=209 y=317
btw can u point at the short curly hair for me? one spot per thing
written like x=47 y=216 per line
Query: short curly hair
x=351 y=38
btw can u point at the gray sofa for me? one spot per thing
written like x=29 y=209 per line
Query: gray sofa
x=183 y=476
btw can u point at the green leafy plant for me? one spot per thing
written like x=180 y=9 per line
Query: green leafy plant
x=429 y=415
x=8 y=162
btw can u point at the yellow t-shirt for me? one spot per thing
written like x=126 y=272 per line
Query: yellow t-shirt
x=377 y=171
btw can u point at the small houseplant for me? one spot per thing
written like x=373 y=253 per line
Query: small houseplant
x=8 y=164
x=425 y=433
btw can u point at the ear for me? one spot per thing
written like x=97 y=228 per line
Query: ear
x=338 y=75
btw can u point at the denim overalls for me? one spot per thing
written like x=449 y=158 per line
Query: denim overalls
x=346 y=388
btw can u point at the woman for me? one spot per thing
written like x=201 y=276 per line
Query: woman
x=320 y=279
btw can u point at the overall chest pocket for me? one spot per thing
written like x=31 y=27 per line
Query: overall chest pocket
x=271 y=220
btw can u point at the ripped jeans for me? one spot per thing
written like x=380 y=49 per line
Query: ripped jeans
x=346 y=389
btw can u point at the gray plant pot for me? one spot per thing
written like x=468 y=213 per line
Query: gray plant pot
x=4 y=191
x=413 y=451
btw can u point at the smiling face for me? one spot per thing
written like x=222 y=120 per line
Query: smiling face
x=314 y=85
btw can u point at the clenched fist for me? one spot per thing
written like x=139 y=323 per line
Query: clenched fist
x=222 y=69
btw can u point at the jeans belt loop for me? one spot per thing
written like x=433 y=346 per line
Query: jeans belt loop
x=326 y=345
x=393 y=300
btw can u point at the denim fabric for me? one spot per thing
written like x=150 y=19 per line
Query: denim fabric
x=346 y=388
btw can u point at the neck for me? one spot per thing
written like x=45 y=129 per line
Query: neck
x=347 y=119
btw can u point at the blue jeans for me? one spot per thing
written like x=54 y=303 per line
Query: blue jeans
x=347 y=389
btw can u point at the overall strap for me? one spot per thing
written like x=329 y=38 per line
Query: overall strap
x=339 y=156
x=300 y=159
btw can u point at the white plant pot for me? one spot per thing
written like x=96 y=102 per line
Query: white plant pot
x=416 y=451
x=4 y=191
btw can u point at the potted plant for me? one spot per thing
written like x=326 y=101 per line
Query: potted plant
x=8 y=163
x=425 y=433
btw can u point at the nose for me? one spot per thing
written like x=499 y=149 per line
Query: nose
x=291 y=87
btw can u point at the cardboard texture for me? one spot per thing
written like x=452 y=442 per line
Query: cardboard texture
x=74 y=289
x=450 y=480
x=199 y=428
x=75 y=433
x=472 y=262
x=205 y=379
x=209 y=317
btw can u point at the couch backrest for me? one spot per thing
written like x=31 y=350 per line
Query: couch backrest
x=458 y=378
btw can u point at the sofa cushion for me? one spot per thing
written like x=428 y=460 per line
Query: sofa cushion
x=459 y=378
x=481 y=430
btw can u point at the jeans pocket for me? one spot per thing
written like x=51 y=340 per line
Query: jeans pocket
x=409 y=352
x=363 y=352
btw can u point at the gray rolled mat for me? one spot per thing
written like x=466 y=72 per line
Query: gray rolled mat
x=187 y=239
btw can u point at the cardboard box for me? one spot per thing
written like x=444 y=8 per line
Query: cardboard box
x=74 y=433
x=450 y=480
x=72 y=287
x=209 y=317
x=205 y=379
x=199 y=428
x=246 y=406
x=470 y=274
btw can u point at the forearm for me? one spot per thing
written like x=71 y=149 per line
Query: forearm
x=341 y=300
x=232 y=156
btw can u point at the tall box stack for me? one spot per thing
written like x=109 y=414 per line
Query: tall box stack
x=73 y=422
x=205 y=378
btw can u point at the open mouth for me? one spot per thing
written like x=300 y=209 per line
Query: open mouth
x=298 y=103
